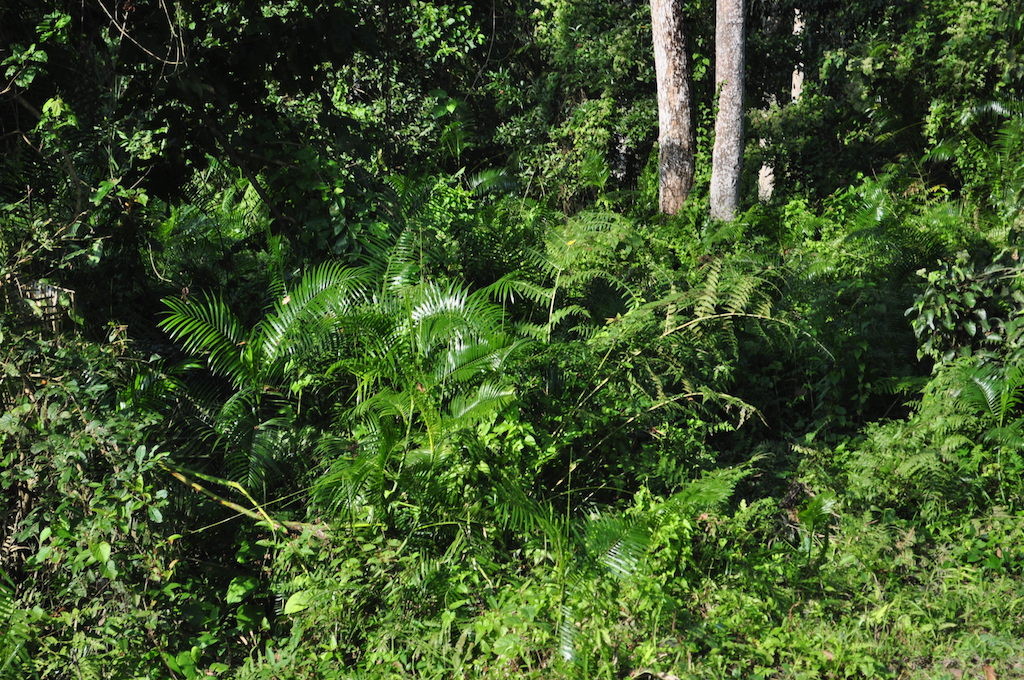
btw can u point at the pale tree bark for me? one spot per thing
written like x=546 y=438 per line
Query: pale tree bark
x=797 y=87
x=676 y=135
x=727 y=156
x=766 y=176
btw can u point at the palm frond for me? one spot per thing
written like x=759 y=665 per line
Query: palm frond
x=482 y=356
x=493 y=179
x=618 y=544
x=252 y=461
x=356 y=477
x=434 y=301
x=568 y=633
x=516 y=510
x=306 y=311
x=396 y=264
x=474 y=407
x=208 y=328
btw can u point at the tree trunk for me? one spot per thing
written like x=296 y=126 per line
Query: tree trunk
x=766 y=177
x=676 y=135
x=727 y=156
x=797 y=87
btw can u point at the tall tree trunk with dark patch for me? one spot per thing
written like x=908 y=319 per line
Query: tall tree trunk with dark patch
x=676 y=136
x=727 y=156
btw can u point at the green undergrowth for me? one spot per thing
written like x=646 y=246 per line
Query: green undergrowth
x=789 y=448
x=466 y=431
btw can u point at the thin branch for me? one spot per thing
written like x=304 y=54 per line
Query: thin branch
x=14 y=80
x=319 y=530
x=126 y=34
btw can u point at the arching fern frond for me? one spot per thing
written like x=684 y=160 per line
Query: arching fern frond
x=994 y=392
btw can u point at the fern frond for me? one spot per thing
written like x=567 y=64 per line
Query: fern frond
x=1010 y=435
x=531 y=291
x=707 y=299
x=502 y=290
x=924 y=469
x=533 y=331
x=565 y=312
x=618 y=544
x=708 y=492
x=16 y=632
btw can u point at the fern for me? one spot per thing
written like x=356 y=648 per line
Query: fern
x=925 y=469
x=994 y=393
x=15 y=633
x=620 y=545
x=575 y=254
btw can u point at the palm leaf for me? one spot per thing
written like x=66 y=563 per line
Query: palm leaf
x=209 y=328
x=322 y=294
x=618 y=544
x=474 y=407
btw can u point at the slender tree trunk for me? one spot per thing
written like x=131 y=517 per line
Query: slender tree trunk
x=727 y=156
x=676 y=136
x=766 y=176
x=797 y=86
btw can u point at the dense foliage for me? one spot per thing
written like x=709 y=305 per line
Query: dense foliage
x=343 y=340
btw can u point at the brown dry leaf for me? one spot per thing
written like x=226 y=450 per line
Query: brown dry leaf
x=990 y=673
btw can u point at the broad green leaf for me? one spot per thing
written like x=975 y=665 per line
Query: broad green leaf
x=239 y=587
x=101 y=552
x=105 y=187
x=298 y=602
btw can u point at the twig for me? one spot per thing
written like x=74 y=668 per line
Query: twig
x=126 y=34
